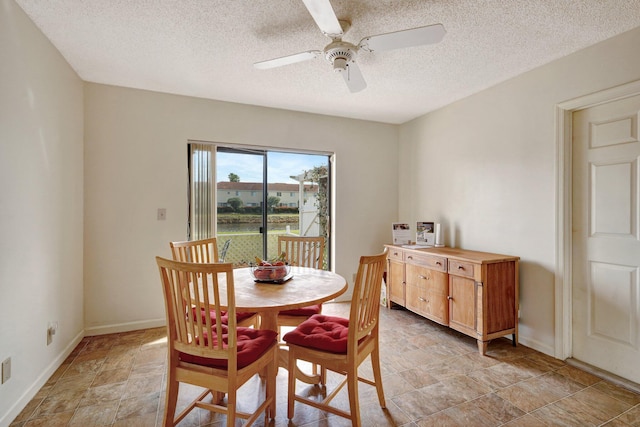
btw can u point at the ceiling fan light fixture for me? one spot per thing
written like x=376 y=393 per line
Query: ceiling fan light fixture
x=339 y=65
x=339 y=54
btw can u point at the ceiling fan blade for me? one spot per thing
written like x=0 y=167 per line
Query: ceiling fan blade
x=286 y=60
x=325 y=17
x=404 y=38
x=353 y=77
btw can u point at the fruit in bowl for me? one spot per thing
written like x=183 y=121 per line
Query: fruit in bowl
x=270 y=271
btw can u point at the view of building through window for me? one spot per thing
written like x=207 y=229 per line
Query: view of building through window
x=259 y=195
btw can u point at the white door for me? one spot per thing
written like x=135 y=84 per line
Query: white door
x=606 y=239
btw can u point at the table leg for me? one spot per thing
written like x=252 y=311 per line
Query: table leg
x=269 y=320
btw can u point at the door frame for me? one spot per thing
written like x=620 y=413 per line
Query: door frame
x=564 y=188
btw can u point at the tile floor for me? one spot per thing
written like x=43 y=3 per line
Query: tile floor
x=432 y=376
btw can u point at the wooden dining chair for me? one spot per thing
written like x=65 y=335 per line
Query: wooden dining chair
x=206 y=251
x=341 y=345
x=205 y=351
x=202 y=251
x=301 y=251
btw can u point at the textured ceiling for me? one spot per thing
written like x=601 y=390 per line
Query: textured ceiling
x=206 y=48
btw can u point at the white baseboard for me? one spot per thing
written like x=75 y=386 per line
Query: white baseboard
x=42 y=379
x=125 y=327
x=537 y=345
x=29 y=394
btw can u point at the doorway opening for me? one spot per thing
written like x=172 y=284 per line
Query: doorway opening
x=567 y=252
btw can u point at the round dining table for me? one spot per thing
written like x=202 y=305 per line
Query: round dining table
x=307 y=286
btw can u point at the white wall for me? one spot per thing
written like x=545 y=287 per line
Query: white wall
x=136 y=162
x=41 y=207
x=485 y=167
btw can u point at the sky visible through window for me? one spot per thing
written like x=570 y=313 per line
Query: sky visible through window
x=280 y=166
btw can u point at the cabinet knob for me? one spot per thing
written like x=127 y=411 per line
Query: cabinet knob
x=460 y=267
x=395 y=254
x=422 y=299
x=409 y=257
x=449 y=297
x=438 y=263
x=422 y=277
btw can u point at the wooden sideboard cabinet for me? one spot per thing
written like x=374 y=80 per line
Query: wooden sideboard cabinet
x=473 y=292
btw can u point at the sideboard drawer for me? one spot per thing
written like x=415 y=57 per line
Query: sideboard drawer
x=460 y=268
x=433 y=262
x=395 y=254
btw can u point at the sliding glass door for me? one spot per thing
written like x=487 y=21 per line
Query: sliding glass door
x=260 y=194
x=297 y=197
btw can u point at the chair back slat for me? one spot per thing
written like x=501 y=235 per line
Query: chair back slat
x=365 y=302
x=203 y=251
x=303 y=251
x=193 y=291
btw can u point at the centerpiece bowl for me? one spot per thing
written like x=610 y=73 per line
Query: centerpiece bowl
x=270 y=273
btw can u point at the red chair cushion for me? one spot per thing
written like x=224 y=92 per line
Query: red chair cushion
x=304 y=311
x=326 y=333
x=252 y=343
x=225 y=316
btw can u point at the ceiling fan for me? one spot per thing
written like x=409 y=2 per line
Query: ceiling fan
x=342 y=55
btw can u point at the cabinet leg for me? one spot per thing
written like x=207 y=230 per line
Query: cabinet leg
x=482 y=347
x=514 y=340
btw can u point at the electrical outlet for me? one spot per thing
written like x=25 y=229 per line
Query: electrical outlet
x=162 y=214
x=52 y=328
x=6 y=370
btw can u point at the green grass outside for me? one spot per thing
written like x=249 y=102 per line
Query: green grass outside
x=239 y=216
x=244 y=233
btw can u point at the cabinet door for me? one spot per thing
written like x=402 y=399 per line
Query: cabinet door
x=426 y=292
x=462 y=304
x=395 y=280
